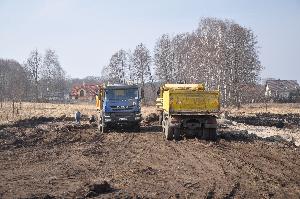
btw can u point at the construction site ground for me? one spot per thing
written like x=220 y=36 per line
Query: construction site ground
x=52 y=157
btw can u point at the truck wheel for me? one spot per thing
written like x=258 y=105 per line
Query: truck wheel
x=213 y=134
x=176 y=133
x=199 y=133
x=205 y=134
x=137 y=127
x=168 y=132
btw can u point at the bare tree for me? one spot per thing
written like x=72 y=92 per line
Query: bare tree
x=2 y=81
x=140 y=62
x=115 y=71
x=220 y=53
x=53 y=78
x=163 y=59
x=34 y=65
x=13 y=82
x=105 y=73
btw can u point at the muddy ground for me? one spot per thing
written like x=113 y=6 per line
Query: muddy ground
x=54 y=158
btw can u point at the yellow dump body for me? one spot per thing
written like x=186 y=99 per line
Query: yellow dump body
x=184 y=86
x=189 y=99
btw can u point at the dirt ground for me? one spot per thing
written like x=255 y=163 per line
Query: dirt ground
x=27 y=110
x=51 y=157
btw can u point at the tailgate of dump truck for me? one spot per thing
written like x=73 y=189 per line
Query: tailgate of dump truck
x=192 y=102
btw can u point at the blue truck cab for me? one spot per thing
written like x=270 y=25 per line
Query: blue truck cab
x=119 y=105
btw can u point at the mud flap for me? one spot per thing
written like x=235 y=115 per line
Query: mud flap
x=199 y=133
x=169 y=131
x=136 y=127
x=176 y=133
x=213 y=134
x=205 y=134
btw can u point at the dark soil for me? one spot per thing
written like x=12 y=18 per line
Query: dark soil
x=268 y=119
x=59 y=159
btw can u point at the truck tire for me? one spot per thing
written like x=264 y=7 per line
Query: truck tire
x=101 y=125
x=213 y=134
x=205 y=135
x=176 y=133
x=199 y=133
x=169 y=131
x=137 y=127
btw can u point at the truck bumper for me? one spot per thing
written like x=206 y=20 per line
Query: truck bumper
x=210 y=126
x=122 y=117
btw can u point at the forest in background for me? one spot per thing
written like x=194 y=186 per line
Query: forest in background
x=219 y=53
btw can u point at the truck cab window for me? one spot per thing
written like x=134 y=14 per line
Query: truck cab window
x=119 y=92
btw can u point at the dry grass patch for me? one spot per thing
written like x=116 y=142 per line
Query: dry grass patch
x=27 y=110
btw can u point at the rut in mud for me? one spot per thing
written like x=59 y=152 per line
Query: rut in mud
x=59 y=159
x=268 y=119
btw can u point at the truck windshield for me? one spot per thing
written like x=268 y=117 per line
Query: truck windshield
x=113 y=94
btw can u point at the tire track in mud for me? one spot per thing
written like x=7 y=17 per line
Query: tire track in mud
x=211 y=164
x=148 y=165
x=188 y=171
x=253 y=164
x=237 y=163
x=237 y=166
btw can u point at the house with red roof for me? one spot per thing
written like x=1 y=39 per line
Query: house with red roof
x=84 y=92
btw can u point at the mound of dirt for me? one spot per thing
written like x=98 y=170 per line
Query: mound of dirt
x=46 y=134
x=41 y=196
x=268 y=119
x=245 y=136
x=34 y=121
x=97 y=189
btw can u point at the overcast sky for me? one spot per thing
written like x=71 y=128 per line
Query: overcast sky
x=86 y=33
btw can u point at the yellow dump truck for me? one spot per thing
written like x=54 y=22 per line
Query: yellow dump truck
x=188 y=109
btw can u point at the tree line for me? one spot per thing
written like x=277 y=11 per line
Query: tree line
x=126 y=66
x=219 y=53
x=39 y=78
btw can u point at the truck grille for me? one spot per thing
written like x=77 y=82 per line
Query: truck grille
x=119 y=108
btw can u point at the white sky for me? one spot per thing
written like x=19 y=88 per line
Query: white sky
x=85 y=33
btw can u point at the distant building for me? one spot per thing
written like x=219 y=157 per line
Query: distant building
x=84 y=92
x=280 y=90
x=251 y=93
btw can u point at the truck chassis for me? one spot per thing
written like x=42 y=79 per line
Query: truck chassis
x=202 y=126
x=122 y=119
